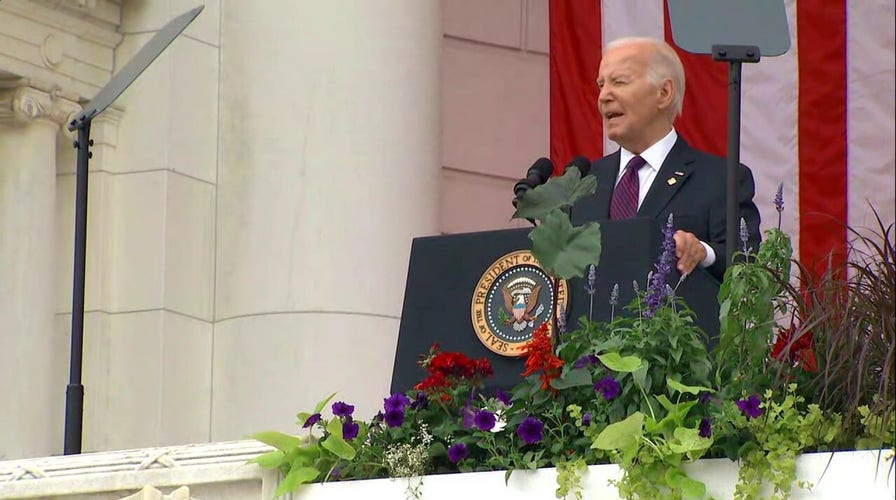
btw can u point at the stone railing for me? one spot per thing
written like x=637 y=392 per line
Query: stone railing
x=203 y=471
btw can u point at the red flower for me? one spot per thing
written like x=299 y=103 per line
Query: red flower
x=540 y=357
x=795 y=351
x=447 y=368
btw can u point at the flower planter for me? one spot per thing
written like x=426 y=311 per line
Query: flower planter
x=835 y=476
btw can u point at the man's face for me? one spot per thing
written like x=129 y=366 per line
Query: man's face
x=630 y=104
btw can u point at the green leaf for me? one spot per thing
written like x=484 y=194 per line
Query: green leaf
x=576 y=377
x=617 y=363
x=640 y=376
x=279 y=440
x=562 y=250
x=335 y=443
x=621 y=435
x=690 y=389
x=320 y=406
x=269 y=460
x=296 y=477
x=556 y=193
x=687 y=440
x=690 y=488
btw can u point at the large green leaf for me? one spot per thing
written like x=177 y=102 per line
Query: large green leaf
x=269 y=460
x=574 y=378
x=621 y=435
x=296 y=477
x=556 y=193
x=279 y=440
x=690 y=488
x=688 y=440
x=690 y=389
x=562 y=250
x=335 y=443
x=617 y=363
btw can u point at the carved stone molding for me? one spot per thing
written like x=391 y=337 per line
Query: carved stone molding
x=150 y=493
x=24 y=104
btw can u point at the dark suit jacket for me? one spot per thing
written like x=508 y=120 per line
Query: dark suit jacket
x=696 y=198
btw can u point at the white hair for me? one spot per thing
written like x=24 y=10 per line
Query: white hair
x=663 y=63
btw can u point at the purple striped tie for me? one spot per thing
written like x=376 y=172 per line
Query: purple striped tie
x=625 y=197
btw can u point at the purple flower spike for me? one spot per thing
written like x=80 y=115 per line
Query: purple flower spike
x=706 y=427
x=779 y=198
x=592 y=276
x=531 y=430
x=484 y=420
x=313 y=419
x=750 y=406
x=420 y=402
x=608 y=387
x=350 y=429
x=341 y=409
x=503 y=397
x=397 y=401
x=458 y=452
x=394 y=418
x=656 y=283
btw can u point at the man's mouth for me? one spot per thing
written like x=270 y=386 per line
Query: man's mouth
x=612 y=114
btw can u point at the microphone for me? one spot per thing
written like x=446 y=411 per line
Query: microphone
x=581 y=163
x=538 y=174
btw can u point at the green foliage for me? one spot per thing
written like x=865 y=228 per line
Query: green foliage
x=558 y=192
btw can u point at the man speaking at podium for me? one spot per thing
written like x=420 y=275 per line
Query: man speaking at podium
x=655 y=172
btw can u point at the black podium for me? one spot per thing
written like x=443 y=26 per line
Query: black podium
x=445 y=271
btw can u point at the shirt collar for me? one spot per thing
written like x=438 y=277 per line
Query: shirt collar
x=655 y=155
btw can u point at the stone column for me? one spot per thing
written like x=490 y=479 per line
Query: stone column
x=31 y=421
x=328 y=167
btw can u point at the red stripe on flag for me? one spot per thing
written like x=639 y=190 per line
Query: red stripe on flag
x=575 y=48
x=821 y=29
x=704 y=116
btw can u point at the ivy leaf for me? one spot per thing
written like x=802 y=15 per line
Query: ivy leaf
x=279 y=440
x=576 y=377
x=335 y=443
x=621 y=435
x=296 y=477
x=617 y=363
x=557 y=192
x=690 y=389
x=562 y=250
x=690 y=488
x=269 y=460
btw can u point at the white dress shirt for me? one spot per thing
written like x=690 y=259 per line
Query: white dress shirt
x=655 y=155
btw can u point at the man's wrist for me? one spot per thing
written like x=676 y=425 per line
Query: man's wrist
x=710 y=258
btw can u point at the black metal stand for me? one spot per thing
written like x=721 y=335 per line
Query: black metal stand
x=74 y=393
x=735 y=55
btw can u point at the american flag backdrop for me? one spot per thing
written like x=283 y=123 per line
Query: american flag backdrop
x=819 y=118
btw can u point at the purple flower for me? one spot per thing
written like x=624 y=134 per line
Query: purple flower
x=592 y=276
x=313 y=419
x=614 y=295
x=609 y=387
x=744 y=234
x=394 y=418
x=779 y=198
x=750 y=406
x=586 y=419
x=589 y=359
x=350 y=429
x=530 y=430
x=334 y=474
x=706 y=427
x=341 y=409
x=656 y=286
x=503 y=397
x=420 y=402
x=397 y=401
x=467 y=413
x=457 y=452
x=484 y=420
x=704 y=397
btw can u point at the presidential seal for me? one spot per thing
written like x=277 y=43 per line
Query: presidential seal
x=512 y=299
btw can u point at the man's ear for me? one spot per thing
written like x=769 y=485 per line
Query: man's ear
x=666 y=94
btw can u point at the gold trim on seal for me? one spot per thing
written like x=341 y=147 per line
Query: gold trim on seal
x=480 y=301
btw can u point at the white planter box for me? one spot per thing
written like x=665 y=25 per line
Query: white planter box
x=850 y=475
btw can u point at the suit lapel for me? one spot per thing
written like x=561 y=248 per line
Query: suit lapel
x=607 y=170
x=672 y=175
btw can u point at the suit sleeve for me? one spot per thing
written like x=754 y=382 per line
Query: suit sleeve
x=719 y=222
